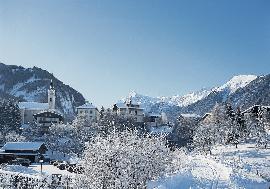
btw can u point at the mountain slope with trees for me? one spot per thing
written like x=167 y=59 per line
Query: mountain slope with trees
x=31 y=84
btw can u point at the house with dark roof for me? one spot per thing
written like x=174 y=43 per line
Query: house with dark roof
x=46 y=118
x=30 y=150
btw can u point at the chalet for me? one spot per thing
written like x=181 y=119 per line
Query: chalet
x=46 y=118
x=129 y=109
x=89 y=111
x=29 y=150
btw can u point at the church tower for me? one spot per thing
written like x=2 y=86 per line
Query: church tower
x=51 y=96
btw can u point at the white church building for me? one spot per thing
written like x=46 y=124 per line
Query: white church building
x=44 y=114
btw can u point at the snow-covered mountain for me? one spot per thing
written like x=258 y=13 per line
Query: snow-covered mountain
x=31 y=84
x=147 y=102
x=198 y=102
x=221 y=94
x=187 y=99
x=236 y=82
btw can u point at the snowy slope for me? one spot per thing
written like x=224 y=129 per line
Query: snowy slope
x=228 y=167
x=237 y=82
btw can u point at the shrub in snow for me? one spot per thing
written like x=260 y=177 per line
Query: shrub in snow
x=123 y=160
x=14 y=137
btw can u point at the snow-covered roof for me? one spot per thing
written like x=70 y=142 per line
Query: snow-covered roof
x=121 y=105
x=87 y=106
x=52 y=112
x=33 y=105
x=190 y=115
x=22 y=146
x=124 y=105
x=154 y=115
x=135 y=103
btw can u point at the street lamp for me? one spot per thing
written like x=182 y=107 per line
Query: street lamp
x=41 y=160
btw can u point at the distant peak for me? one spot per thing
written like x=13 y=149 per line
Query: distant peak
x=132 y=93
x=237 y=82
x=243 y=78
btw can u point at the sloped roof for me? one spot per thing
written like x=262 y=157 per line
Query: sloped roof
x=22 y=146
x=154 y=115
x=87 y=106
x=49 y=113
x=121 y=105
x=190 y=115
x=33 y=105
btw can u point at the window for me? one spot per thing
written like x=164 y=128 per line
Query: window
x=50 y=99
x=81 y=112
x=91 y=111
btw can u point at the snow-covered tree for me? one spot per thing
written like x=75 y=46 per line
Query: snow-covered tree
x=123 y=160
x=111 y=122
x=258 y=124
x=14 y=137
x=10 y=117
x=222 y=126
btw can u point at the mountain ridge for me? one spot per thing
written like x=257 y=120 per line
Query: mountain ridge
x=199 y=102
x=31 y=84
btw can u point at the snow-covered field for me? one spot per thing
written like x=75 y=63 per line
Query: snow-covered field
x=227 y=167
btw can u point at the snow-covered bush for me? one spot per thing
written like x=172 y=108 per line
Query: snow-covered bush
x=123 y=160
x=14 y=137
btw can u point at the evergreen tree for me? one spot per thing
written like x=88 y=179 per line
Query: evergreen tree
x=10 y=117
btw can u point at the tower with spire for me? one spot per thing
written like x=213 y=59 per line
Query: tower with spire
x=51 y=96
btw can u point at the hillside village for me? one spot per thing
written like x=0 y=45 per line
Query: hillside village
x=42 y=138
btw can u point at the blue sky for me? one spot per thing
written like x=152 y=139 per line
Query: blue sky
x=105 y=49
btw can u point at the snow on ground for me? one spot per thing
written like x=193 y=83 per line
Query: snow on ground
x=227 y=167
x=35 y=169
x=48 y=169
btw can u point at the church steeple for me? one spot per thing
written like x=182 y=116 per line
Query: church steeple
x=51 y=96
x=51 y=84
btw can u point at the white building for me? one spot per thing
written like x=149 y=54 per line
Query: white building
x=28 y=109
x=129 y=109
x=89 y=111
